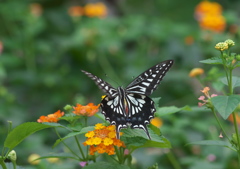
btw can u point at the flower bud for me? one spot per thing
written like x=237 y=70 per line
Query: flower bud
x=12 y=155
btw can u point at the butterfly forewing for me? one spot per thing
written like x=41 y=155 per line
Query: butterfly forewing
x=104 y=86
x=148 y=81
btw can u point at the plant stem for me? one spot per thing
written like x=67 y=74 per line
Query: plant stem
x=220 y=125
x=66 y=144
x=237 y=133
x=3 y=164
x=80 y=148
x=173 y=160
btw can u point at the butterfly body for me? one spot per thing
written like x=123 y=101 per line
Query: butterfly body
x=131 y=106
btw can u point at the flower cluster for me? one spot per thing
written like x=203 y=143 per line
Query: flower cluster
x=90 y=10
x=224 y=45
x=89 y=110
x=202 y=98
x=102 y=140
x=209 y=16
x=51 y=118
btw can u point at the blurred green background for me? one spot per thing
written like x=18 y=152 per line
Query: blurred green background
x=44 y=45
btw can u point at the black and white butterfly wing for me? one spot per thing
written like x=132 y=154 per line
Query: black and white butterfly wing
x=148 y=81
x=114 y=112
x=141 y=111
x=104 y=86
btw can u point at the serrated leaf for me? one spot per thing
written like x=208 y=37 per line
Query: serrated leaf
x=213 y=143
x=18 y=134
x=225 y=105
x=235 y=81
x=72 y=134
x=104 y=165
x=213 y=60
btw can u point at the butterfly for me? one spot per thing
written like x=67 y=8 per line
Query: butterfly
x=131 y=106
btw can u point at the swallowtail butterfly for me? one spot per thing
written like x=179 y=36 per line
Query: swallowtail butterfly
x=131 y=105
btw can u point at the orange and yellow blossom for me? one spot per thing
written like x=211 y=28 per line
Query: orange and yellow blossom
x=102 y=140
x=89 y=110
x=51 y=118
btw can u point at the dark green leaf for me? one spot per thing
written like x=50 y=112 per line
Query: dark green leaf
x=235 y=81
x=18 y=134
x=213 y=143
x=169 y=110
x=58 y=155
x=136 y=138
x=104 y=165
x=72 y=134
x=225 y=105
x=214 y=60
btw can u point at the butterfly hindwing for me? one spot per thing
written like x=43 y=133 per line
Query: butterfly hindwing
x=114 y=113
x=148 y=81
x=141 y=111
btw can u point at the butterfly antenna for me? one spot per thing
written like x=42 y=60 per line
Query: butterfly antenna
x=111 y=79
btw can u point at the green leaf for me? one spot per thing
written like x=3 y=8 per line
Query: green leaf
x=18 y=134
x=235 y=81
x=72 y=134
x=213 y=60
x=136 y=138
x=58 y=155
x=213 y=143
x=104 y=165
x=169 y=110
x=225 y=105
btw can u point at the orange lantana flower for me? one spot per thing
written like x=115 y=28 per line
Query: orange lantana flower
x=209 y=15
x=76 y=11
x=51 y=118
x=88 y=110
x=102 y=140
x=95 y=10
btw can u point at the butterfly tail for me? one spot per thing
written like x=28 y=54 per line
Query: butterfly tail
x=146 y=131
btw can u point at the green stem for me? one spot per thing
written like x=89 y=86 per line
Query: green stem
x=3 y=164
x=118 y=153
x=80 y=148
x=237 y=133
x=173 y=160
x=66 y=144
x=219 y=123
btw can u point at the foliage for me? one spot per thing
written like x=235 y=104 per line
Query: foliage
x=44 y=44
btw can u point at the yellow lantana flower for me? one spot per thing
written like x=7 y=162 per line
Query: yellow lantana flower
x=102 y=140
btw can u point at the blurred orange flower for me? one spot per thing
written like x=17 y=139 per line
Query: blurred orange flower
x=196 y=72
x=1 y=47
x=51 y=118
x=209 y=16
x=95 y=10
x=102 y=140
x=76 y=11
x=36 y=9
x=89 y=110
x=230 y=118
x=157 y=122
x=189 y=40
